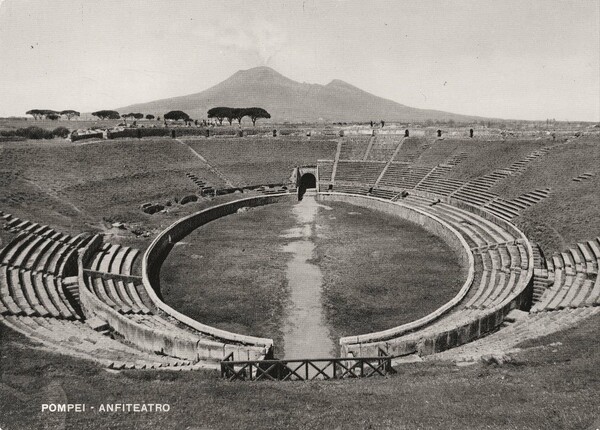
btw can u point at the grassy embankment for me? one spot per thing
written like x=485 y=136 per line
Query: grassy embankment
x=260 y=160
x=77 y=185
x=571 y=213
x=552 y=385
x=483 y=157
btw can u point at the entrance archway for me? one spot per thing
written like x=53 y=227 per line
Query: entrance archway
x=308 y=180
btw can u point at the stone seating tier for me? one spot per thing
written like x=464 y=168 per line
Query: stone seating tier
x=77 y=339
x=573 y=278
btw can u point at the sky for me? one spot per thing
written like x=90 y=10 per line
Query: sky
x=504 y=59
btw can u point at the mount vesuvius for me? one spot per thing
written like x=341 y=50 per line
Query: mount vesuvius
x=288 y=100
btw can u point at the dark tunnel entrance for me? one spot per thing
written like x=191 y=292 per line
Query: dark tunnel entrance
x=307 y=181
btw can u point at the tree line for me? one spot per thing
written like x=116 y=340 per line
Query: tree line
x=218 y=113
x=175 y=115
x=231 y=114
x=52 y=114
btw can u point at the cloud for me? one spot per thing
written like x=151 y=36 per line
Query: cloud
x=257 y=38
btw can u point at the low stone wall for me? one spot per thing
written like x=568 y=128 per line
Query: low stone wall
x=76 y=137
x=158 y=250
x=433 y=225
x=456 y=334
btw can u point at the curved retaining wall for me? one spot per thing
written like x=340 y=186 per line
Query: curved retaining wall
x=369 y=344
x=432 y=224
x=190 y=347
x=159 y=249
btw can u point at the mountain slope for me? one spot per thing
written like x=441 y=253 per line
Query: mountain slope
x=288 y=100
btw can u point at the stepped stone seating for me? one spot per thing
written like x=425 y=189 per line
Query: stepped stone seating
x=572 y=279
x=515 y=331
x=394 y=174
x=520 y=165
x=77 y=339
x=477 y=230
x=120 y=294
x=387 y=139
x=31 y=270
x=403 y=175
x=127 y=267
x=437 y=183
x=39 y=285
x=122 y=301
x=21 y=280
x=382 y=151
x=475 y=191
x=201 y=184
x=359 y=172
x=97 y=258
x=501 y=274
x=531 y=198
x=354 y=148
x=127 y=301
x=383 y=193
x=115 y=259
x=325 y=170
x=411 y=150
x=12 y=294
x=504 y=260
x=583 y=177
x=41 y=297
x=350 y=188
x=457 y=159
x=502 y=209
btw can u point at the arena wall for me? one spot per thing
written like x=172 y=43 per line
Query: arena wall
x=159 y=249
x=433 y=225
x=457 y=334
x=192 y=347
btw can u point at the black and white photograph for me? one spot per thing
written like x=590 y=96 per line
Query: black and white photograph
x=299 y=214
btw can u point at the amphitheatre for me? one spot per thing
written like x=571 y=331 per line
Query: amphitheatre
x=496 y=236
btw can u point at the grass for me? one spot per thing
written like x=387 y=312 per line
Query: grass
x=230 y=273
x=548 y=386
x=486 y=156
x=77 y=187
x=380 y=271
x=570 y=214
x=259 y=160
x=74 y=186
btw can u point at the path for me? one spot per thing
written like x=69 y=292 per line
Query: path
x=208 y=166
x=305 y=331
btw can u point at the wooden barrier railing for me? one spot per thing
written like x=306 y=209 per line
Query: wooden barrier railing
x=306 y=369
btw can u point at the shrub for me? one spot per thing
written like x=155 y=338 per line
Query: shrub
x=61 y=132
x=28 y=133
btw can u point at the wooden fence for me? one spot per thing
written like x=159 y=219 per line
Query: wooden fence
x=306 y=369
